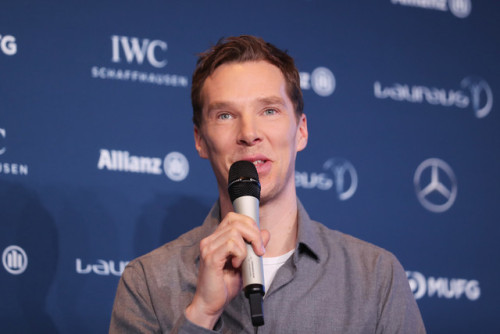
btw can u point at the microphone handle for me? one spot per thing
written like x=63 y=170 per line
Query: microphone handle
x=252 y=269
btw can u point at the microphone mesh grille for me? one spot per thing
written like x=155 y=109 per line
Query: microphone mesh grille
x=243 y=180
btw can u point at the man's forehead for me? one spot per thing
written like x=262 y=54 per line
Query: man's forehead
x=235 y=76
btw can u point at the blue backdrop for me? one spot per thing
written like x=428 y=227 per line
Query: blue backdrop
x=97 y=158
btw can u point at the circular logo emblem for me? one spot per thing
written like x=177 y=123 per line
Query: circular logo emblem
x=14 y=260
x=176 y=166
x=481 y=95
x=2 y=137
x=460 y=8
x=418 y=284
x=435 y=185
x=345 y=177
x=322 y=81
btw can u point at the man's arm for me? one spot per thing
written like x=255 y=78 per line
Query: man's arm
x=219 y=280
x=219 y=276
x=133 y=310
x=399 y=312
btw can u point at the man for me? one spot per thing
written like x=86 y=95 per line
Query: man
x=247 y=105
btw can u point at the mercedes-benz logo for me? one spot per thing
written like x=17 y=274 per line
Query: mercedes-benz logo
x=435 y=185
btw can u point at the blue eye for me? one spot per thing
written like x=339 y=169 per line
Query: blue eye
x=270 y=111
x=224 y=116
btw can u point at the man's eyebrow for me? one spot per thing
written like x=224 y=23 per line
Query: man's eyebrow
x=220 y=105
x=272 y=100
x=269 y=100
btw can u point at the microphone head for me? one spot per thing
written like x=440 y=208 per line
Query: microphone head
x=243 y=180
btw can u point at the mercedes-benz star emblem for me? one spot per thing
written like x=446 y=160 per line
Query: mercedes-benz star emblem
x=435 y=185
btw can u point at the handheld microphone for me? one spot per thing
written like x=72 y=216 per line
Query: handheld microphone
x=244 y=191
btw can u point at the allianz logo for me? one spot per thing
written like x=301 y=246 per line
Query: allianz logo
x=337 y=173
x=175 y=164
x=102 y=267
x=321 y=80
x=476 y=93
x=459 y=8
x=441 y=287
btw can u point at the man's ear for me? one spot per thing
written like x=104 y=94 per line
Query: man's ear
x=199 y=143
x=302 y=133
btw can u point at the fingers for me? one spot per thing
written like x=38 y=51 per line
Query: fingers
x=219 y=277
x=228 y=242
x=246 y=227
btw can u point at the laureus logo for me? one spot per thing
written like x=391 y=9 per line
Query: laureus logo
x=476 y=94
x=480 y=94
x=338 y=173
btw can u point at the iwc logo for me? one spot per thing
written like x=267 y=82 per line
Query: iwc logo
x=140 y=55
x=15 y=260
x=2 y=138
x=11 y=168
x=435 y=185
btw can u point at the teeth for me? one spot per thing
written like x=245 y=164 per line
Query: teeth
x=256 y=162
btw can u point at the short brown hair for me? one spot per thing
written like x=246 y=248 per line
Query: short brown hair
x=241 y=49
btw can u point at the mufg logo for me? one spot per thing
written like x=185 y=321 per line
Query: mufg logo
x=14 y=260
x=137 y=50
x=8 y=45
x=435 y=185
x=442 y=287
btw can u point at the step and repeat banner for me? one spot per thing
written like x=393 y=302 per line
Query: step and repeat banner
x=97 y=158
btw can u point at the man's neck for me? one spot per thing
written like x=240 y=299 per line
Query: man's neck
x=279 y=217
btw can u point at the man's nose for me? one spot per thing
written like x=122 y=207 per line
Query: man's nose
x=248 y=132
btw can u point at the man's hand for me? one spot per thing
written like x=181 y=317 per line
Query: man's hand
x=219 y=277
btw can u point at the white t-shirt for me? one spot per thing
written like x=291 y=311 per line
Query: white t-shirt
x=271 y=266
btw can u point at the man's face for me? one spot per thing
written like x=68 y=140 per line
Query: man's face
x=247 y=115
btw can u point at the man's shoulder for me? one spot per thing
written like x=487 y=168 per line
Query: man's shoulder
x=183 y=250
x=343 y=245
